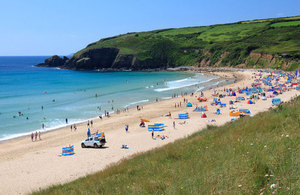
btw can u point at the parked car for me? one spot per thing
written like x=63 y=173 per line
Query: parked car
x=93 y=141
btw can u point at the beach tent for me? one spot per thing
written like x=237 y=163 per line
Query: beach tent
x=223 y=104
x=200 y=109
x=67 y=151
x=245 y=111
x=276 y=101
x=189 y=104
x=250 y=102
x=156 y=127
x=183 y=116
x=240 y=98
x=248 y=92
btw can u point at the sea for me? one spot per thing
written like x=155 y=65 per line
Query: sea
x=34 y=96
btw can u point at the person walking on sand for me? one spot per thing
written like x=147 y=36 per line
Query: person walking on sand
x=35 y=136
x=126 y=128
x=152 y=133
x=89 y=133
x=174 y=124
x=40 y=135
x=75 y=128
x=71 y=127
x=32 y=136
x=91 y=123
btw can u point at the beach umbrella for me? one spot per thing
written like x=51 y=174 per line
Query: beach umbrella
x=144 y=120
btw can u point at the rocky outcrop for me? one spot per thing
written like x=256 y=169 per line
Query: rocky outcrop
x=93 y=59
x=54 y=61
x=100 y=59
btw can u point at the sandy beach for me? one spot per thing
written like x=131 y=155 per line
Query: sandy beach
x=26 y=166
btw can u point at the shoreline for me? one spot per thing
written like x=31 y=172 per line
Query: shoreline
x=37 y=164
x=112 y=113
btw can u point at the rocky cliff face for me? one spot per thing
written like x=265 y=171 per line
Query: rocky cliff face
x=94 y=59
x=111 y=59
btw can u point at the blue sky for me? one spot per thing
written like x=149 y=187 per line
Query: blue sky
x=48 y=27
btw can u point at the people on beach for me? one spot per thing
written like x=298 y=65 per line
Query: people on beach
x=71 y=127
x=174 y=124
x=35 y=135
x=66 y=120
x=32 y=136
x=88 y=133
x=40 y=135
x=75 y=128
x=126 y=128
x=152 y=133
x=142 y=124
x=91 y=123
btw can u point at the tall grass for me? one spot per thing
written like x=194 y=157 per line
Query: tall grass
x=249 y=156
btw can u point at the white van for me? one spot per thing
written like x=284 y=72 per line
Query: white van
x=93 y=141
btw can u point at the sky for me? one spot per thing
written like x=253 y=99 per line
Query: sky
x=62 y=27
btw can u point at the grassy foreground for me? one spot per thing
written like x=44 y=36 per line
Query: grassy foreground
x=244 y=157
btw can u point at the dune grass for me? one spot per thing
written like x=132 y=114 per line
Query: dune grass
x=244 y=157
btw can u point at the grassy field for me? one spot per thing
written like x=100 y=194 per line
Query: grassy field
x=193 y=44
x=252 y=155
x=281 y=24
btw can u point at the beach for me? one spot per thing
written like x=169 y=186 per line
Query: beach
x=27 y=166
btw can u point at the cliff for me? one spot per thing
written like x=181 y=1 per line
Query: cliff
x=268 y=43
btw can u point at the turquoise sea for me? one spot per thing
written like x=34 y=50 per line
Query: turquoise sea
x=72 y=94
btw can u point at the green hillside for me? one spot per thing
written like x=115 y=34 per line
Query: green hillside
x=244 y=157
x=216 y=45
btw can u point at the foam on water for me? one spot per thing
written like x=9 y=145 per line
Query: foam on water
x=22 y=89
x=135 y=103
x=191 y=81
